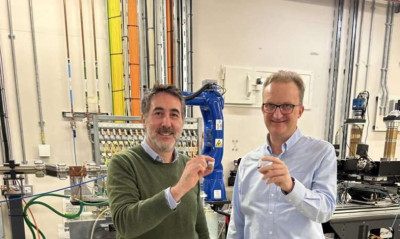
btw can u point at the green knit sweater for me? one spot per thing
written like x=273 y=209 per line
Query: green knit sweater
x=136 y=185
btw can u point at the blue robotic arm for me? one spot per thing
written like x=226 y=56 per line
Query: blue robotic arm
x=211 y=105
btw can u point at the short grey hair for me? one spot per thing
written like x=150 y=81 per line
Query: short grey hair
x=286 y=77
x=158 y=88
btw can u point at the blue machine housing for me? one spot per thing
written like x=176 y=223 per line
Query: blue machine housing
x=359 y=104
x=211 y=105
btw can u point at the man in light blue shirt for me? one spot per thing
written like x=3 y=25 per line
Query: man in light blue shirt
x=287 y=187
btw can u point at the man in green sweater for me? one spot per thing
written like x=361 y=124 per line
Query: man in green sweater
x=154 y=192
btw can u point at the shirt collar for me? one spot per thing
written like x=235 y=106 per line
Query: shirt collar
x=288 y=144
x=155 y=156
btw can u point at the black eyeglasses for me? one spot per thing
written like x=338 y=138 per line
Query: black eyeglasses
x=284 y=108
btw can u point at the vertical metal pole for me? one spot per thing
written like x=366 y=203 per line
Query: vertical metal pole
x=184 y=51
x=21 y=130
x=5 y=128
x=385 y=58
x=359 y=49
x=155 y=45
x=96 y=65
x=143 y=47
x=71 y=94
x=369 y=44
x=348 y=81
x=35 y=61
x=176 y=42
x=125 y=52
x=163 y=42
x=189 y=44
x=160 y=40
x=151 y=46
x=190 y=50
x=96 y=140
x=84 y=62
x=334 y=68
x=180 y=33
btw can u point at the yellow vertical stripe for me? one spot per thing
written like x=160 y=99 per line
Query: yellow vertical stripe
x=116 y=58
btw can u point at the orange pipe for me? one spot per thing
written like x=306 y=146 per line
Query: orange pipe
x=134 y=67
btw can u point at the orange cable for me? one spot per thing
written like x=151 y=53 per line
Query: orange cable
x=34 y=221
x=134 y=56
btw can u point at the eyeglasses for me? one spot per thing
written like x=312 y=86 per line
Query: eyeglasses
x=284 y=108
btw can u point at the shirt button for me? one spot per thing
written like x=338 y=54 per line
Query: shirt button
x=290 y=200
x=272 y=194
x=270 y=212
x=270 y=232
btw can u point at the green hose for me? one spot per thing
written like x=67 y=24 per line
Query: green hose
x=33 y=201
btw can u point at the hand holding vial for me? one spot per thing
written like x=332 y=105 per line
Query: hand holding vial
x=210 y=165
x=275 y=171
x=196 y=168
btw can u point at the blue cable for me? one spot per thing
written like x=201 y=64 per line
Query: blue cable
x=56 y=190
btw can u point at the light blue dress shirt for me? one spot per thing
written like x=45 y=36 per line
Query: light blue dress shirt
x=171 y=201
x=264 y=211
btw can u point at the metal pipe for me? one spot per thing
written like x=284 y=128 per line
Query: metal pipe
x=84 y=61
x=180 y=44
x=71 y=94
x=176 y=43
x=190 y=50
x=382 y=107
x=359 y=49
x=184 y=47
x=349 y=73
x=21 y=130
x=5 y=157
x=96 y=65
x=334 y=68
x=170 y=41
x=125 y=52
x=163 y=44
x=108 y=58
x=151 y=41
x=385 y=58
x=369 y=44
x=392 y=8
x=5 y=128
x=143 y=47
x=147 y=44
x=156 y=35
x=187 y=85
x=35 y=61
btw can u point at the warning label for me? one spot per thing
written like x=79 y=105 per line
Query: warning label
x=218 y=143
x=218 y=124
x=217 y=194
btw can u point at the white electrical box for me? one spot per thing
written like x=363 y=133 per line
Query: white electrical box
x=44 y=150
x=244 y=85
x=28 y=189
x=239 y=82
x=379 y=124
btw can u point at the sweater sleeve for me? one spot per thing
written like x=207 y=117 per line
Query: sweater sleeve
x=132 y=217
x=201 y=223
